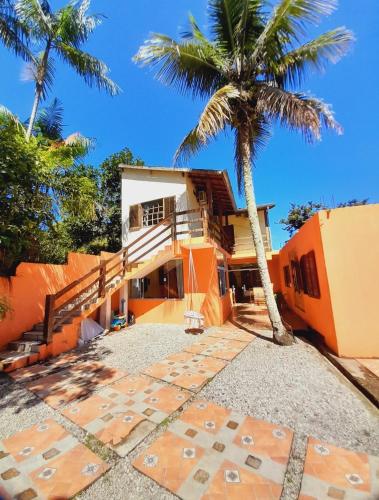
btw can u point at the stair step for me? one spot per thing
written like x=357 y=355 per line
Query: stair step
x=73 y=314
x=33 y=335
x=7 y=358
x=26 y=346
x=39 y=328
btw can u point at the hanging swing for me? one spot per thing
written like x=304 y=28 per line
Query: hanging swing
x=194 y=319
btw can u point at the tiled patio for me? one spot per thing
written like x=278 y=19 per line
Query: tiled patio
x=45 y=461
x=207 y=451
x=211 y=452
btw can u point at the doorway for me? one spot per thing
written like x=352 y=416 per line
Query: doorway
x=243 y=279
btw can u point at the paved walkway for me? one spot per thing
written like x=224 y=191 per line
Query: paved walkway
x=193 y=447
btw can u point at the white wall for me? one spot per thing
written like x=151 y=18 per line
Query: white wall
x=139 y=185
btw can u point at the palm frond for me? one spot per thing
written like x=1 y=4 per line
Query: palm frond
x=329 y=47
x=225 y=16
x=287 y=25
x=7 y=115
x=81 y=144
x=191 y=66
x=92 y=70
x=41 y=72
x=216 y=115
x=50 y=120
x=13 y=33
x=36 y=15
x=295 y=111
x=74 y=25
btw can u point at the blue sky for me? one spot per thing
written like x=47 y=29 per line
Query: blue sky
x=152 y=119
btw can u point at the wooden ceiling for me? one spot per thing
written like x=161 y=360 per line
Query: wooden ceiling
x=215 y=182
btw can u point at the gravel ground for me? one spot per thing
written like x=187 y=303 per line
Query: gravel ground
x=293 y=386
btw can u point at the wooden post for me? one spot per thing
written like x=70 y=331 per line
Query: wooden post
x=102 y=279
x=124 y=262
x=205 y=222
x=173 y=227
x=48 y=325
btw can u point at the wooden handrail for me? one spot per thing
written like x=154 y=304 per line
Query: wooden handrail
x=105 y=272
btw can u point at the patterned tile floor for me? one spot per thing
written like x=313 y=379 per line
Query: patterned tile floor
x=211 y=452
x=222 y=348
x=60 y=388
x=123 y=414
x=186 y=370
x=331 y=472
x=239 y=335
x=45 y=461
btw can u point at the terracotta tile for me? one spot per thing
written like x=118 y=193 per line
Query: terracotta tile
x=206 y=416
x=132 y=384
x=118 y=429
x=244 y=485
x=35 y=440
x=158 y=370
x=191 y=381
x=181 y=357
x=240 y=335
x=69 y=474
x=84 y=412
x=168 y=399
x=66 y=394
x=166 y=462
x=336 y=465
x=266 y=439
x=29 y=372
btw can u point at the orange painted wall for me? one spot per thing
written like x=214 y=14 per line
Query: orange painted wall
x=27 y=290
x=350 y=238
x=207 y=300
x=316 y=312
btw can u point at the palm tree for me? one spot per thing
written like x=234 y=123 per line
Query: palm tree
x=248 y=70
x=13 y=33
x=62 y=32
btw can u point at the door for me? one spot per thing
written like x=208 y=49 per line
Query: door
x=297 y=281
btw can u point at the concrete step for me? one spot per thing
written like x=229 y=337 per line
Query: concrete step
x=26 y=346
x=12 y=359
x=39 y=328
x=33 y=335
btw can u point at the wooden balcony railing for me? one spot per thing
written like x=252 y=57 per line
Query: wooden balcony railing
x=62 y=305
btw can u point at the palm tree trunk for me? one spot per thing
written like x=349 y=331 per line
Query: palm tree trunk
x=281 y=336
x=41 y=74
x=32 y=119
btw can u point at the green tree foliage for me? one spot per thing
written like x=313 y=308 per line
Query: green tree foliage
x=299 y=214
x=36 y=187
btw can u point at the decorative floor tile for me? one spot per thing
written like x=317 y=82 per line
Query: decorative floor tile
x=30 y=373
x=186 y=370
x=70 y=384
x=217 y=348
x=45 y=461
x=331 y=472
x=239 y=335
x=123 y=414
x=226 y=462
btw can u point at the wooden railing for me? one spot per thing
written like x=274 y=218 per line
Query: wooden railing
x=61 y=306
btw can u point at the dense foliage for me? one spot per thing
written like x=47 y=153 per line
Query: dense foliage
x=299 y=214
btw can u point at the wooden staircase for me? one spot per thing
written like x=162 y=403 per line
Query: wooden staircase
x=152 y=249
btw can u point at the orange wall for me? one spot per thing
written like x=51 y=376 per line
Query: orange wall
x=350 y=238
x=207 y=300
x=27 y=290
x=316 y=312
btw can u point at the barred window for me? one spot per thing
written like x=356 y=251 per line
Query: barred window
x=152 y=212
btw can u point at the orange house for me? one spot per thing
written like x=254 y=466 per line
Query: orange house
x=329 y=275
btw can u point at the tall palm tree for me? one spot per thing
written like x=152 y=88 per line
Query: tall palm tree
x=248 y=70
x=13 y=33
x=63 y=33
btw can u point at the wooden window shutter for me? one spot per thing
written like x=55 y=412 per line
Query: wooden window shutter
x=304 y=273
x=135 y=217
x=313 y=276
x=169 y=205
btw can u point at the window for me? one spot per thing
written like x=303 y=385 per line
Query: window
x=166 y=282
x=221 y=272
x=150 y=213
x=296 y=276
x=287 y=276
x=309 y=275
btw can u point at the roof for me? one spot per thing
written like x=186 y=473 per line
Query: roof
x=219 y=183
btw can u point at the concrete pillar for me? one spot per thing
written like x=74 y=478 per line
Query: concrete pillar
x=106 y=313
x=123 y=306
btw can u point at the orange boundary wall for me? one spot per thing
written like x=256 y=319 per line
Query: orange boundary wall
x=346 y=246
x=27 y=290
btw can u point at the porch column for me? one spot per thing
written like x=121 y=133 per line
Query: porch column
x=106 y=313
x=124 y=296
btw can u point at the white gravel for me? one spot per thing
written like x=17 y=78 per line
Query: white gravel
x=292 y=386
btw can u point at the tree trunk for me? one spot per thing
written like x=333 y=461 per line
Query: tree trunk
x=281 y=336
x=32 y=119
x=40 y=79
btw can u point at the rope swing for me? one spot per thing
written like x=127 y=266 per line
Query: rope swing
x=194 y=319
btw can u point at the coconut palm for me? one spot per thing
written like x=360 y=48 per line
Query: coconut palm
x=13 y=33
x=248 y=70
x=61 y=33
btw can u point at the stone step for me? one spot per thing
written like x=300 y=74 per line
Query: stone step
x=26 y=346
x=39 y=328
